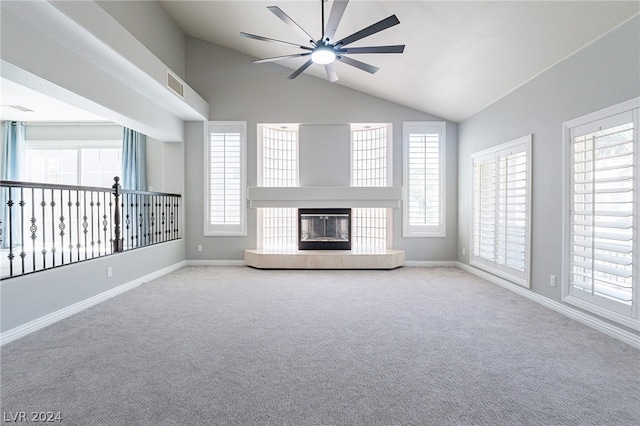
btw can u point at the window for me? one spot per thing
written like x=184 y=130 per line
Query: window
x=371 y=155
x=370 y=166
x=501 y=203
x=369 y=229
x=278 y=167
x=278 y=155
x=601 y=218
x=225 y=179
x=424 y=179
x=87 y=163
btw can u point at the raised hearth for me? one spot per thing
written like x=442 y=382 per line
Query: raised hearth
x=324 y=259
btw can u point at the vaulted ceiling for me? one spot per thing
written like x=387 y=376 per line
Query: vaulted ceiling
x=459 y=56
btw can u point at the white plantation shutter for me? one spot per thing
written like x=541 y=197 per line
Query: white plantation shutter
x=424 y=149
x=602 y=236
x=225 y=159
x=501 y=205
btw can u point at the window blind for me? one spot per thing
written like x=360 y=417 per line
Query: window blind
x=225 y=180
x=602 y=235
x=500 y=230
x=424 y=179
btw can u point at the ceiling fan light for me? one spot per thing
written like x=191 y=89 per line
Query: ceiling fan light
x=323 y=56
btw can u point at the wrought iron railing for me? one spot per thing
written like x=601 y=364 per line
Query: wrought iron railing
x=44 y=226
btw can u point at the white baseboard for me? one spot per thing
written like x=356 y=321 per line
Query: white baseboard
x=430 y=263
x=607 y=328
x=215 y=263
x=37 y=324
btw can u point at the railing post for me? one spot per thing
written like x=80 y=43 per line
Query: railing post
x=117 y=241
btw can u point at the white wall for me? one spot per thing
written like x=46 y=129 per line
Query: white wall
x=236 y=89
x=324 y=155
x=39 y=49
x=164 y=166
x=30 y=297
x=149 y=23
x=72 y=132
x=604 y=73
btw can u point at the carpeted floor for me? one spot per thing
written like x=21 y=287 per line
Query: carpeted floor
x=239 y=346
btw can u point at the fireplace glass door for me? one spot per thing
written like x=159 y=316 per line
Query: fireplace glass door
x=324 y=229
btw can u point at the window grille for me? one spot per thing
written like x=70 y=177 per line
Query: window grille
x=279 y=229
x=370 y=157
x=501 y=194
x=369 y=153
x=88 y=163
x=369 y=229
x=278 y=159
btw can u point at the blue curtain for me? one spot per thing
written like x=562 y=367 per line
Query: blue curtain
x=134 y=177
x=134 y=164
x=13 y=151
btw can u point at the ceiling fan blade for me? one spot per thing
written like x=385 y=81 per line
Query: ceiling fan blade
x=399 y=48
x=371 y=29
x=361 y=65
x=337 y=10
x=291 y=23
x=278 y=58
x=273 y=40
x=300 y=70
x=331 y=73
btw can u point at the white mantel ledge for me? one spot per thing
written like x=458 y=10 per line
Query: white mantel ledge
x=324 y=196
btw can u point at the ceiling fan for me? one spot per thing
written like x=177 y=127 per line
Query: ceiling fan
x=325 y=51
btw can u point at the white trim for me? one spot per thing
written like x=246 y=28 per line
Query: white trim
x=439 y=128
x=430 y=263
x=606 y=115
x=215 y=263
x=409 y=263
x=220 y=230
x=524 y=145
x=609 y=329
x=358 y=127
x=324 y=196
x=46 y=320
x=620 y=108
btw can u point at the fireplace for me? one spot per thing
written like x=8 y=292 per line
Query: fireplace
x=324 y=229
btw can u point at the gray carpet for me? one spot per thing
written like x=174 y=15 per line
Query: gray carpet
x=239 y=346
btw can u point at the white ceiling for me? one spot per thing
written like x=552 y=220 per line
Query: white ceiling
x=19 y=103
x=459 y=56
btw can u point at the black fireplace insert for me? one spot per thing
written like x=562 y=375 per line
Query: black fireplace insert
x=324 y=229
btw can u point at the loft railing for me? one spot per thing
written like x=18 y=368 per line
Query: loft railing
x=44 y=226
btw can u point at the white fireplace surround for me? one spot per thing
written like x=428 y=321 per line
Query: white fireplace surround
x=324 y=196
x=330 y=197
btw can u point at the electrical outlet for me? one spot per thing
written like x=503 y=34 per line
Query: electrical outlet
x=552 y=281
x=199 y=247
x=109 y=272
x=464 y=251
